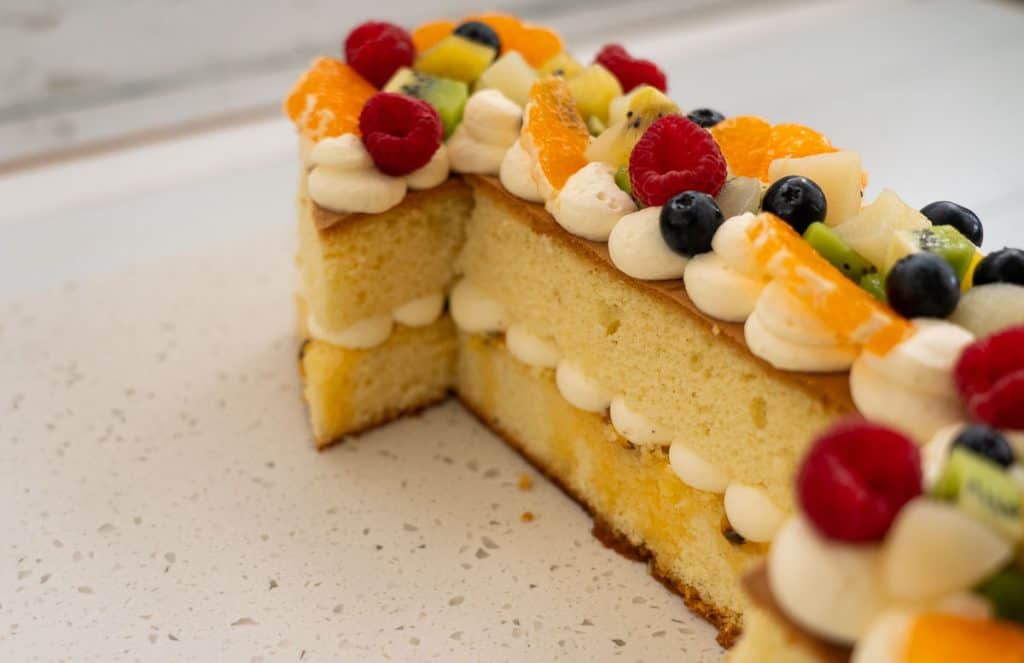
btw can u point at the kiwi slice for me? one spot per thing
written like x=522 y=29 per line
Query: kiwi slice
x=874 y=283
x=622 y=179
x=615 y=145
x=447 y=96
x=1005 y=590
x=832 y=248
x=944 y=241
x=982 y=489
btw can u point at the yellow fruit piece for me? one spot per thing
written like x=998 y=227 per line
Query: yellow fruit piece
x=593 y=88
x=536 y=43
x=327 y=99
x=562 y=64
x=646 y=105
x=428 y=34
x=968 y=281
x=455 y=57
x=937 y=638
x=554 y=131
x=853 y=314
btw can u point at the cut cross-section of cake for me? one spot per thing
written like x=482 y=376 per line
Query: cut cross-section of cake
x=658 y=310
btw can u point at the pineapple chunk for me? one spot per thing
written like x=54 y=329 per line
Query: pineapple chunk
x=837 y=173
x=871 y=231
x=593 y=88
x=562 y=64
x=455 y=57
x=511 y=75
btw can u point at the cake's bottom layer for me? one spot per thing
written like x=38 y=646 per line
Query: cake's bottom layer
x=349 y=391
x=632 y=492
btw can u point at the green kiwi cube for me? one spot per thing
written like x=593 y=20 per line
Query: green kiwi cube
x=831 y=247
x=944 y=241
x=447 y=96
x=622 y=179
x=982 y=489
x=1005 y=590
x=874 y=283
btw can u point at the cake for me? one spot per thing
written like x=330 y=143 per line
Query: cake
x=660 y=311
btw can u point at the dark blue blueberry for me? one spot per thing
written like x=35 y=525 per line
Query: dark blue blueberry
x=689 y=221
x=481 y=33
x=705 y=117
x=945 y=213
x=1002 y=266
x=796 y=200
x=986 y=442
x=922 y=285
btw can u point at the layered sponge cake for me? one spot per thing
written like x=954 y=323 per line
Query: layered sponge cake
x=659 y=310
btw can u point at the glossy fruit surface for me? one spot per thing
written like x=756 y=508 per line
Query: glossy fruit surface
x=922 y=285
x=377 y=50
x=751 y=143
x=940 y=638
x=327 y=99
x=986 y=442
x=852 y=264
x=481 y=33
x=705 y=117
x=555 y=130
x=688 y=222
x=672 y=156
x=946 y=213
x=630 y=71
x=400 y=133
x=796 y=200
x=990 y=378
x=428 y=34
x=1002 y=266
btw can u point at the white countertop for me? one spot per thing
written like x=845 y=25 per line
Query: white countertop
x=159 y=494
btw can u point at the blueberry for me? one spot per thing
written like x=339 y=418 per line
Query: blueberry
x=796 y=200
x=705 y=117
x=1002 y=266
x=986 y=442
x=945 y=213
x=481 y=33
x=689 y=221
x=922 y=285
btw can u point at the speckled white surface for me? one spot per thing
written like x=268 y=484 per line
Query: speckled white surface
x=161 y=500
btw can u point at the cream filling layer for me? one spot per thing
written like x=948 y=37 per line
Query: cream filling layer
x=374 y=331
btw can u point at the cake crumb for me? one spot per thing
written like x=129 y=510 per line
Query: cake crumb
x=527 y=517
x=525 y=481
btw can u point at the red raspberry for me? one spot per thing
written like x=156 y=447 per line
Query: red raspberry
x=630 y=71
x=377 y=50
x=990 y=378
x=675 y=155
x=856 y=478
x=401 y=133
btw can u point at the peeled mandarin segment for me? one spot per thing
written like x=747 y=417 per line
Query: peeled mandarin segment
x=744 y=141
x=327 y=99
x=556 y=130
x=507 y=27
x=936 y=638
x=794 y=140
x=430 y=33
x=837 y=302
x=537 y=44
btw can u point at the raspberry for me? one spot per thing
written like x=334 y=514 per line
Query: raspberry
x=377 y=50
x=401 y=133
x=856 y=478
x=630 y=71
x=675 y=155
x=990 y=378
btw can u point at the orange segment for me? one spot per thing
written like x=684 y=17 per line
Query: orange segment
x=838 y=302
x=327 y=99
x=750 y=143
x=795 y=140
x=555 y=130
x=506 y=26
x=954 y=639
x=430 y=33
x=535 y=43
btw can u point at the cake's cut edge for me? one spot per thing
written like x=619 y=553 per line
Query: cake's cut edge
x=728 y=623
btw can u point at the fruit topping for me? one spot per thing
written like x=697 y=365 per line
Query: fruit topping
x=705 y=117
x=377 y=50
x=428 y=34
x=944 y=638
x=1002 y=266
x=983 y=490
x=943 y=241
x=824 y=240
x=796 y=200
x=837 y=173
x=455 y=57
x=510 y=75
x=536 y=44
x=854 y=315
x=622 y=179
x=990 y=378
x=989 y=308
x=593 y=88
x=561 y=64
x=675 y=155
x=595 y=126
x=1005 y=591
x=645 y=106
x=870 y=232
x=481 y=33
x=689 y=221
x=631 y=71
x=750 y=143
x=922 y=285
x=447 y=96
x=986 y=442
x=874 y=284
x=856 y=478
x=400 y=133
x=554 y=131
x=327 y=99
x=946 y=213
x=739 y=196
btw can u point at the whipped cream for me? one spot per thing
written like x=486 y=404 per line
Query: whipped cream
x=720 y=291
x=515 y=174
x=344 y=178
x=590 y=203
x=581 y=392
x=475 y=312
x=752 y=513
x=634 y=426
x=490 y=125
x=732 y=243
x=785 y=333
x=420 y=312
x=694 y=471
x=637 y=248
x=911 y=388
x=360 y=335
x=432 y=173
x=529 y=349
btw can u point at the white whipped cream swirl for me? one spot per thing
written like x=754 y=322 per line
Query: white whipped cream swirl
x=515 y=174
x=591 y=203
x=637 y=248
x=344 y=178
x=490 y=125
